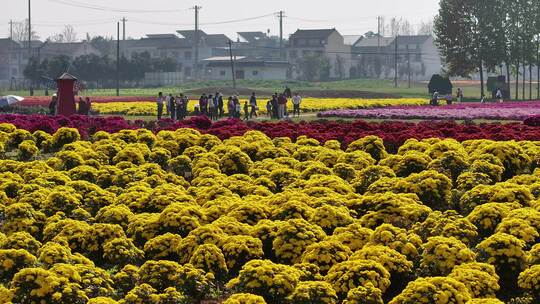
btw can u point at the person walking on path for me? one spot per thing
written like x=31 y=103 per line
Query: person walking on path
x=220 y=105
x=253 y=104
x=203 y=104
x=246 y=111
x=459 y=95
x=499 y=95
x=230 y=107
x=237 y=108
x=88 y=106
x=185 y=109
x=435 y=99
x=178 y=106
x=269 y=108
x=282 y=104
x=275 y=106
x=296 y=101
x=82 y=106
x=449 y=98
x=171 y=106
x=52 y=105
x=159 y=102
x=210 y=103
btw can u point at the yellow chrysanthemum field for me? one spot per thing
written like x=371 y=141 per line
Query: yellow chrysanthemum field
x=148 y=108
x=184 y=217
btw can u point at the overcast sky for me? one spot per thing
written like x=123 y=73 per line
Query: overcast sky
x=348 y=16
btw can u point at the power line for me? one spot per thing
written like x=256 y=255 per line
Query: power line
x=85 y=5
x=144 y=21
x=74 y=22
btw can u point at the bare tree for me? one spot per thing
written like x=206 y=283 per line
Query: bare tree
x=69 y=34
x=405 y=27
x=425 y=28
x=399 y=26
x=20 y=32
x=58 y=38
x=394 y=26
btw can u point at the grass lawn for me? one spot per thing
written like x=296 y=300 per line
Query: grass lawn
x=372 y=85
x=419 y=90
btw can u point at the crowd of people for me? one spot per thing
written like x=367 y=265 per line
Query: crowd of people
x=213 y=106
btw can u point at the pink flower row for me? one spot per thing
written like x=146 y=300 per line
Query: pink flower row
x=463 y=111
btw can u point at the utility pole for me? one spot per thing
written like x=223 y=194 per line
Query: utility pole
x=395 y=62
x=379 y=39
x=10 y=51
x=30 y=42
x=118 y=59
x=29 y=30
x=124 y=28
x=196 y=42
x=524 y=80
x=530 y=81
x=232 y=65
x=378 y=33
x=408 y=68
x=280 y=15
x=538 y=67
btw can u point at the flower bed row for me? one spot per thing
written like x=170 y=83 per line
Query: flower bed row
x=184 y=217
x=145 y=106
x=44 y=101
x=148 y=108
x=463 y=111
x=393 y=133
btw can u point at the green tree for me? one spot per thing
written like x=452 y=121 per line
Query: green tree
x=454 y=38
x=58 y=65
x=33 y=71
x=470 y=35
x=315 y=67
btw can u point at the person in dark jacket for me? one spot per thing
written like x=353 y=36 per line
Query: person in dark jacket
x=253 y=105
x=171 y=105
x=88 y=106
x=52 y=105
x=275 y=106
x=220 y=104
x=82 y=106
x=246 y=111
x=203 y=104
x=178 y=106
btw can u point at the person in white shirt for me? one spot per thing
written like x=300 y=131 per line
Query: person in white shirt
x=435 y=99
x=160 y=101
x=459 y=95
x=296 y=101
x=499 y=95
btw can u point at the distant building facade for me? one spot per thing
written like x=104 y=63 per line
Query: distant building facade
x=417 y=56
x=257 y=45
x=219 y=68
x=324 y=43
x=14 y=56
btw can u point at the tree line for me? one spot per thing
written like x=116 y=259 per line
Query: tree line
x=98 y=71
x=483 y=36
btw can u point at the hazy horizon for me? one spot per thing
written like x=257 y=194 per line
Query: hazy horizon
x=350 y=18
